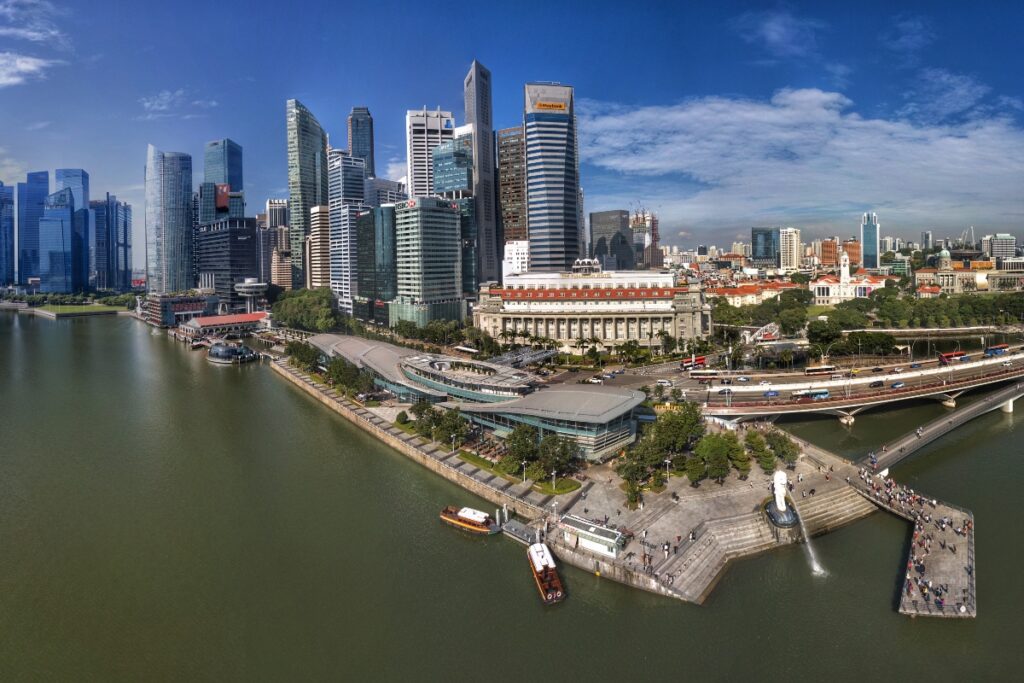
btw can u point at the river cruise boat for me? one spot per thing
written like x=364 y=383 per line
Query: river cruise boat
x=469 y=519
x=228 y=354
x=544 y=574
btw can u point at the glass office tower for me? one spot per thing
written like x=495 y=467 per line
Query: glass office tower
x=552 y=177
x=307 y=179
x=869 y=240
x=6 y=235
x=360 y=137
x=222 y=164
x=169 y=257
x=113 y=228
x=486 y=248
x=77 y=180
x=611 y=240
x=32 y=195
x=765 y=247
x=59 y=247
x=376 y=274
x=453 y=179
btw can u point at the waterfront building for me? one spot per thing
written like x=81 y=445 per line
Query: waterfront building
x=552 y=176
x=587 y=303
x=424 y=130
x=376 y=267
x=60 y=248
x=31 y=195
x=869 y=241
x=380 y=191
x=170 y=310
x=453 y=179
x=611 y=240
x=307 y=179
x=751 y=294
x=83 y=266
x=169 y=258
x=789 y=249
x=512 y=183
x=428 y=262
x=7 y=268
x=277 y=213
x=829 y=290
x=486 y=247
x=517 y=258
x=360 y=138
x=112 y=223
x=226 y=254
x=343 y=253
x=219 y=325
x=765 y=247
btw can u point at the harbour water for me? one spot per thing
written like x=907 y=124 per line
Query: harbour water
x=163 y=518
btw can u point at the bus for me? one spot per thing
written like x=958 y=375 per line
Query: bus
x=997 y=350
x=947 y=358
x=813 y=394
x=820 y=370
x=703 y=374
x=693 y=362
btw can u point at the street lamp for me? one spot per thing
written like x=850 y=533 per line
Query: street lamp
x=667 y=463
x=453 y=442
x=524 y=471
x=553 y=473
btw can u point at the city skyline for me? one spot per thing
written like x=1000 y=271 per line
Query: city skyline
x=783 y=123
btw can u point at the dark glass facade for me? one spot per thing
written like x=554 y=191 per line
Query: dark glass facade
x=222 y=164
x=765 y=247
x=453 y=179
x=77 y=180
x=376 y=270
x=6 y=235
x=611 y=240
x=59 y=247
x=227 y=252
x=360 y=137
x=307 y=180
x=169 y=222
x=113 y=229
x=32 y=195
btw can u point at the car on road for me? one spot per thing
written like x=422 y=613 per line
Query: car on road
x=898 y=385
x=664 y=382
x=596 y=380
x=854 y=372
x=895 y=371
x=726 y=381
x=914 y=366
x=743 y=378
x=771 y=394
x=764 y=383
x=1007 y=364
x=607 y=375
x=877 y=370
x=725 y=392
x=876 y=385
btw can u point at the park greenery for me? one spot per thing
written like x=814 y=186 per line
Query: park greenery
x=126 y=300
x=444 y=426
x=311 y=310
x=542 y=456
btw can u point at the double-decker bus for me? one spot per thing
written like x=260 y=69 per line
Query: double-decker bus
x=947 y=358
x=820 y=370
x=693 y=362
x=997 y=350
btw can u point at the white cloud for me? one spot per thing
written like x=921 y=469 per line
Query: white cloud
x=163 y=100
x=908 y=35
x=802 y=158
x=16 y=69
x=205 y=104
x=396 y=169
x=11 y=170
x=939 y=94
x=780 y=32
x=178 y=104
x=31 y=20
x=38 y=125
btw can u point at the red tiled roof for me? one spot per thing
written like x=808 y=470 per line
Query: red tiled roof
x=237 y=319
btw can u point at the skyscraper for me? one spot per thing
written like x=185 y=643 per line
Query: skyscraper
x=6 y=235
x=60 y=249
x=77 y=180
x=222 y=164
x=307 y=179
x=226 y=254
x=552 y=176
x=343 y=254
x=277 y=213
x=32 y=196
x=926 y=240
x=611 y=240
x=869 y=240
x=428 y=262
x=112 y=225
x=379 y=191
x=512 y=183
x=764 y=247
x=360 y=137
x=318 y=248
x=454 y=180
x=345 y=177
x=169 y=257
x=789 y=249
x=376 y=267
x=477 y=92
x=424 y=130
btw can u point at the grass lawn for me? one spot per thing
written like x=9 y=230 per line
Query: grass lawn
x=563 y=485
x=484 y=464
x=815 y=310
x=80 y=308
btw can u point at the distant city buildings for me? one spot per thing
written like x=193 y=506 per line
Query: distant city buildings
x=765 y=247
x=112 y=225
x=168 y=187
x=360 y=138
x=344 y=253
x=380 y=191
x=829 y=290
x=60 y=249
x=517 y=258
x=376 y=265
x=30 y=198
x=424 y=130
x=318 y=248
x=646 y=239
x=789 y=249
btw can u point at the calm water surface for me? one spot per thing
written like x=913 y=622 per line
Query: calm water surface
x=162 y=518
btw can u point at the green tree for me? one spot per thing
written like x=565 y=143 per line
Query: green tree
x=792 y=320
x=521 y=444
x=696 y=470
x=799 y=279
x=307 y=309
x=677 y=394
x=557 y=454
x=715 y=450
x=402 y=417
x=783 y=446
x=676 y=430
x=757 y=447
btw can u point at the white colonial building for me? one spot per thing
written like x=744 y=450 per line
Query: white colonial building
x=611 y=307
x=829 y=290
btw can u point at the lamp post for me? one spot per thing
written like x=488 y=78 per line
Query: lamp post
x=667 y=463
x=553 y=473
x=524 y=471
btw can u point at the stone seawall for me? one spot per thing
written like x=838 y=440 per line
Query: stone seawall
x=475 y=487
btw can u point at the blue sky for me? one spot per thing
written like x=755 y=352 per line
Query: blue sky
x=717 y=115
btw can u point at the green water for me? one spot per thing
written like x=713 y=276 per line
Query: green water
x=162 y=518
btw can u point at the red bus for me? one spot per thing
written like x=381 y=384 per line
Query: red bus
x=693 y=362
x=947 y=358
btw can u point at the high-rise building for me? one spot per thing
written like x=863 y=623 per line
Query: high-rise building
x=830 y=251
x=60 y=248
x=646 y=239
x=169 y=248
x=222 y=164
x=517 y=258
x=345 y=177
x=6 y=235
x=318 y=248
x=360 y=138
x=999 y=246
x=376 y=267
x=552 y=177
x=379 y=191
x=477 y=91
x=764 y=247
x=852 y=249
x=281 y=260
x=226 y=253
x=454 y=180
x=346 y=184
x=31 y=196
x=926 y=240
x=790 y=252
x=277 y=213
x=77 y=180
x=512 y=183
x=113 y=228
x=424 y=130
x=307 y=179
x=428 y=262
x=870 y=241
x=611 y=240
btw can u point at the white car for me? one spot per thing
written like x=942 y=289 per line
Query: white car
x=664 y=382
x=744 y=378
x=764 y=383
x=1007 y=364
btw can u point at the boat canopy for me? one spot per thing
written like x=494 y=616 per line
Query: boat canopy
x=541 y=557
x=473 y=515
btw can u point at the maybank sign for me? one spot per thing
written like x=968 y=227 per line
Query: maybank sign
x=550 y=106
